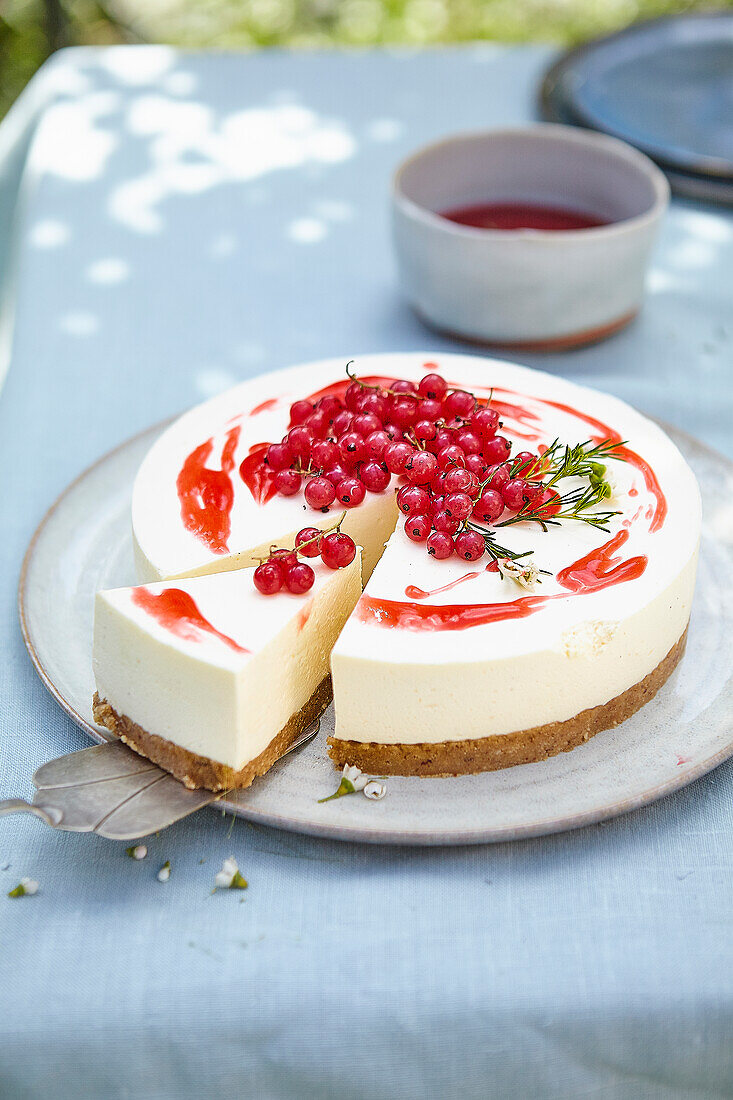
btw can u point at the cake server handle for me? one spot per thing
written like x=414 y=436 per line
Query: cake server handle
x=108 y=789
x=51 y=816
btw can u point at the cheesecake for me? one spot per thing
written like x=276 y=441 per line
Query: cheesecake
x=493 y=642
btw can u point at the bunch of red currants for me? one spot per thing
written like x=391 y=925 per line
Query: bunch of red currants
x=283 y=568
x=454 y=471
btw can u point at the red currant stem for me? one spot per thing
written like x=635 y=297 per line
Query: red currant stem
x=366 y=386
x=321 y=533
x=296 y=550
x=410 y=437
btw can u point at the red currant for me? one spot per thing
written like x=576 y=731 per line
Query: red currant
x=459 y=403
x=350 y=492
x=497 y=477
x=430 y=409
x=476 y=465
x=412 y=500
x=342 y=422
x=497 y=450
x=330 y=405
x=457 y=480
x=417 y=528
x=286 y=482
x=284 y=558
x=353 y=396
x=375 y=475
x=425 y=429
x=404 y=411
x=396 y=457
x=440 y=545
x=403 y=386
x=279 y=456
x=489 y=506
x=300 y=411
x=268 y=578
x=335 y=472
x=376 y=444
x=515 y=493
x=451 y=456
x=324 y=453
x=486 y=422
x=459 y=505
x=318 y=425
x=352 y=448
x=469 y=545
x=365 y=423
x=522 y=462
x=320 y=492
x=433 y=386
x=299 y=578
x=300 y=440
x=443 y=522
x=376 y=405
x=308 y=542
x=422 y=468
x=337 y=550
x=549 y=503
x=470 y=441
x=444 y=438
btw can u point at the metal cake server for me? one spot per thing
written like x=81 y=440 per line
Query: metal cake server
x=110 y=790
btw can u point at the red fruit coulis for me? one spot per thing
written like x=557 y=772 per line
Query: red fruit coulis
x=176 y=611
x=207 y=495
x=522 y=215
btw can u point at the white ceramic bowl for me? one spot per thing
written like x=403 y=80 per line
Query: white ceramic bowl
x=525 y=287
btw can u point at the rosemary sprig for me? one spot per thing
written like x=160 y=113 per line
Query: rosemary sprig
x=574 y=505
x=583 y=460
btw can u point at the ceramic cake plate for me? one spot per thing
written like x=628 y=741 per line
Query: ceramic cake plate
x=84 y=544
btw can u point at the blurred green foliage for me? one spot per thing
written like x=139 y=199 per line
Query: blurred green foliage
x=31 y=29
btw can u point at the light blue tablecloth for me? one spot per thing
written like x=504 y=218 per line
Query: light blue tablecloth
x=183 y=222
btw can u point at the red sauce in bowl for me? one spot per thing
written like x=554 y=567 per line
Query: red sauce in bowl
x=522 y=215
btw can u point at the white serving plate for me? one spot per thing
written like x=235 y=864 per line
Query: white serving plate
x=84 y=543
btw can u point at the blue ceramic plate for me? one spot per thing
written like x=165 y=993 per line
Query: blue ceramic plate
x=665 y=86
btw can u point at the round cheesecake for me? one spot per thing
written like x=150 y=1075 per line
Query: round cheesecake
x=442 y=667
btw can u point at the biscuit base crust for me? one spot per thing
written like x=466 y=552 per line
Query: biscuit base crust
x=483 y=754
x=199 y=771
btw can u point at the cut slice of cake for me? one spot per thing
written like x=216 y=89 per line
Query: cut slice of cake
x=210 y=679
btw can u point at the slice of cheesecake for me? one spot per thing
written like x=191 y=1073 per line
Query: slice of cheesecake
x=210 y=679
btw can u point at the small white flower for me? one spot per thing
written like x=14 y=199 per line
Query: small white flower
x=27 y=886
x=374 y=789
x=229 y=877
x=523 y=572
x=355 y=777
x=351 y=780
x=137 y=851
x=165 y=872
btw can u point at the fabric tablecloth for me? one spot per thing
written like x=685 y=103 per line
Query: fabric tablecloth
x=182 y=222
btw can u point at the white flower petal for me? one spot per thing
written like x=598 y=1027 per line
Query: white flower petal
x=29 y=885
x=374 y=789
x=354 y=776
